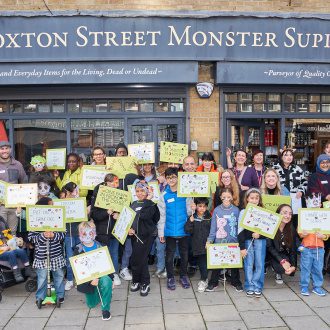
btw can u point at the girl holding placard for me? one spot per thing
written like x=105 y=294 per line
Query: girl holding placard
x=253 y=250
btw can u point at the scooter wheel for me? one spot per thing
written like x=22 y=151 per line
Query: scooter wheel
x=31 y=285
x=58 y=303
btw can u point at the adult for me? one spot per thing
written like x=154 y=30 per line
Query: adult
x=326 y=149
x=258 y=164
x=208 y=163
x=11 y=171
x=149 y=172
x=73 y=174
x=271 y=184
x=189 y=164
x=98 y=155
x=227 y=180
x=281 y=248
x=319 y=182
x=121 y=150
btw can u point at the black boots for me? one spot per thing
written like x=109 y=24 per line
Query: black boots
x=18 y=275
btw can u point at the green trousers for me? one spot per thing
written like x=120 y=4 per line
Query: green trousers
x=105 y=288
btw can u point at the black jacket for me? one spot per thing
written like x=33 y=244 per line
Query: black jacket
x=199 y=230
x=147 y=217
x=245 y=235
x=103 y=221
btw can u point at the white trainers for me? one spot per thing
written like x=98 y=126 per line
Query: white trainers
x=125 y=274
x=68 y=285
x=202 y=285
x=278 y=279
x=116 y=279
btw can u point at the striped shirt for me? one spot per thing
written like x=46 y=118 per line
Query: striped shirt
x=57 y=259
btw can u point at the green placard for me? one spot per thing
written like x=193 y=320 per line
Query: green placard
x=20 y=195
x=121 y=166
x=123 y=224
x=45 y=218
x=144 y=153
x=272 y=202
x=224 y=255
x=91 y=265
x=3 y=186
x=56 y=159
x=326 y=205
x=214 y=181
x=173 y=152
x=260 y=220
x=155 y=188
x=111 y=198
x=75 y=209
x=314 y=220
x=193 y=184
x=91 y=176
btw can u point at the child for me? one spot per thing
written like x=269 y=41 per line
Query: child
x=57 y=260
x=87 y=233
x=198 y=225
x=145 y=227
x=311 y=261
x=173 y=215
x=70 y=190
x=224 y=230
x=253 y=249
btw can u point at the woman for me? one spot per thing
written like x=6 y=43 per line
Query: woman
x=271 y=184
x=227 y=180
x=281 y=248
x=72 y=174
x=149 y=173
x=208 y=163
x=99 y=156
x=319 y=182
x=258 y=164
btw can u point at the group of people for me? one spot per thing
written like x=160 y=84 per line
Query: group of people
x=174 y=226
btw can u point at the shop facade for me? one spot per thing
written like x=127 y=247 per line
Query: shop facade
x=77 y=81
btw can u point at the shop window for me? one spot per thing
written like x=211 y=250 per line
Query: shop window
x=246 y=107
x=30 y=107
x=259 y=97
x=3 y=106
x=302 y=107
x=161 y=106
x=141 y=134
x=273 y=97
x=101 y=106
x=44 y=107
x=315 y=98
x=132 y=106
x=167 y=133
x=231 y=97
x=114 y=105
x=87 y=106
x=259 y=107
x=16 y=107
x=146 y=106
x=290 y=107
x=34 y=136
x=288 y=98
x=314 y=107
x=231 y=107
x=177 y=106
x=58 y=106
x=272 y=107
x=302 y=98
x=325 y=107
x=73 y=107
x=246 y=97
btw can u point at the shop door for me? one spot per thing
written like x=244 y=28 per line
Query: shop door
x=155 y=130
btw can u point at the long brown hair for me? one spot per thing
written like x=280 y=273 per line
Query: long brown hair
x=233 y=185
x=287 y=230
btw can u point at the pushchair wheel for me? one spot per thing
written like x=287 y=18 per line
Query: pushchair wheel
x=31 y=285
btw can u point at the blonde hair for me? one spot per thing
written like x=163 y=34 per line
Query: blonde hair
x=263 y=187
x=233 y=185
x=86 y=225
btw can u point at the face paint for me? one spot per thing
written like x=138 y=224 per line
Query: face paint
x=87 y=236
x=75 y=193
x=43 y=189
x=38 y=167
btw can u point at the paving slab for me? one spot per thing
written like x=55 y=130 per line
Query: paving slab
x=119 y=294
x=180 y=306
x=178 y=293
x=282 y=294
x=12 y=302
x=244 y=303
x=159 y=326
x=323 y=313
x=6 y=315
x=220 y=313
x=292 y=308
x=315 y=301
x=306 y=323
x=184 y=321
x=117 y=308
x=72 y=327
x=29 y=309
x=16 y=290
x=227 y=325
x=153 y=300
x=116 y=323
x=75 y=302
x=148 y=315
x=213 y=298
x=258 y=319
x=68 y=317
x=26 y=324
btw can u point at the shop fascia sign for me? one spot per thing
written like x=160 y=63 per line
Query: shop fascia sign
x=91 y=38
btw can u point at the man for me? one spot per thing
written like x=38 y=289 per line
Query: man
x=11 y=171
x=189 y=164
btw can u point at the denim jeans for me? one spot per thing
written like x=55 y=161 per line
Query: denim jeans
x=126 y=254
x=254 y=265
x=311 y=263
x=70 y=243
x=113 y=250
x=12 y=256
x=58 y=278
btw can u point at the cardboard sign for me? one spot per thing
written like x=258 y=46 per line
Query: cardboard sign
x=295 y=203
x=272 y=202
x=226 y=255
x=214 y=181
x=91 y=176
x=155 y=190
x=56 y=159
x=111 y=198
x=121 y=166
x=260 y=220
x=45 y=218
x=314 y=220
x=75 y=209
x=3 y=186
x=173 y=152
x=90 y=265
x=326 y=205
x=143 y=152
x=20 y=195
x=123 y=224
x=193 y=184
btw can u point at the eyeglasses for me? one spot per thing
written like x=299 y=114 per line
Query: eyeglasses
x=99 y=154
x=172 y=177
x=225 y=177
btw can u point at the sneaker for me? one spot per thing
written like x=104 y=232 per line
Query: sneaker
x=160 y=273
x=202 y=285
x=250 y=293
x=238 y=288
x=135 y=287
x=68 y=285
x=61 y=300
x=319 y=291
x=278 y=279
x=211 y=287
x=116 y=279
x=106 y=315
x=184 y=281
x=304 y=292
x=257 y=294
x=171 y=283
x=144 y=290
x=125 y=274
x=18 y=275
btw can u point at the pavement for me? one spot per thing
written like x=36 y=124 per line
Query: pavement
x=280 y=307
